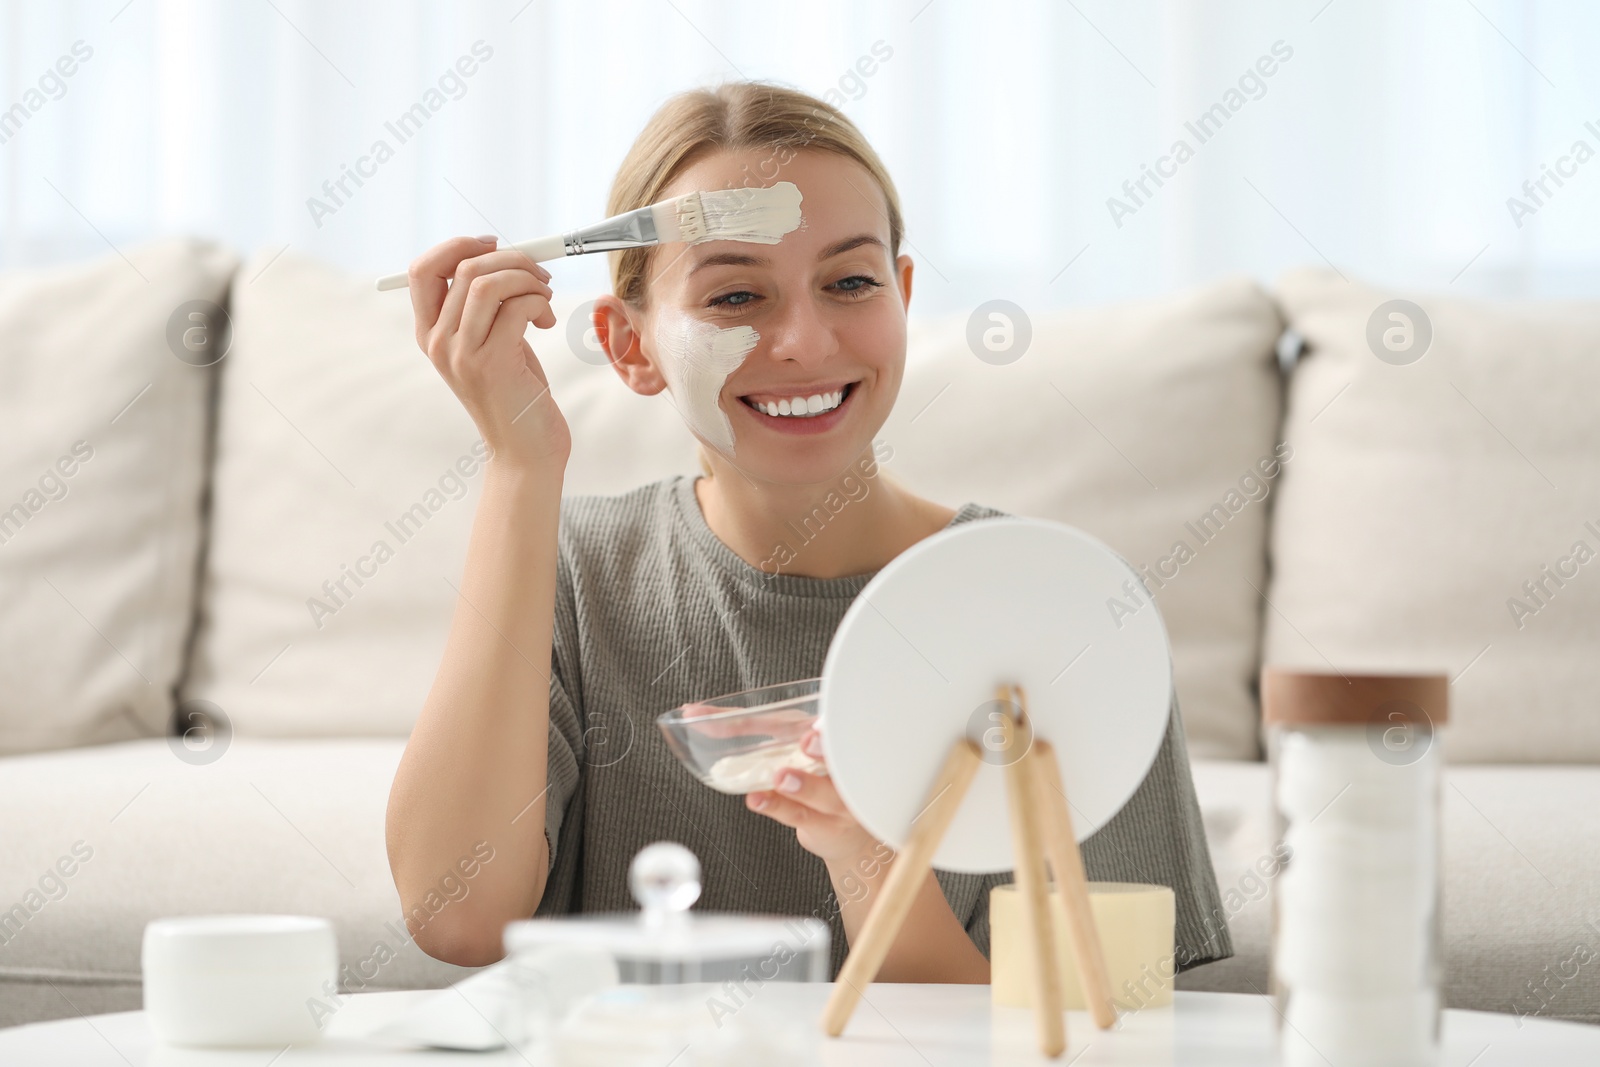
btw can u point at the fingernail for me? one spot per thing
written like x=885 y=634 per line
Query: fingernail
x=789 y=783
x=490 y=238
x=758 y=800
x=813 y=744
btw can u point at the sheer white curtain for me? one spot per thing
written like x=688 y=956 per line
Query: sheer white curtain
x=1386 y=140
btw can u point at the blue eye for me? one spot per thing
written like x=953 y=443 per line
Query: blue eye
x=862 y=286
x=854 y=287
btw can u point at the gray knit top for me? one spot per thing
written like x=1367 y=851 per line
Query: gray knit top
x=652 y=611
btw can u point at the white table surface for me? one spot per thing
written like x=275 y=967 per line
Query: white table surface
x=919 y=1025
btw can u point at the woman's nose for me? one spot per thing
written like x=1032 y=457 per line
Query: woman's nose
x=800 y=333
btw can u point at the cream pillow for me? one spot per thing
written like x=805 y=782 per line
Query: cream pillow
x=347 y=474
x=1151 y=426
x=333 y=424
x=1443 y=514
x=102 y=468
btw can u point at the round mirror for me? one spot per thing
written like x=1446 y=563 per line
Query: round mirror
x=916 y=663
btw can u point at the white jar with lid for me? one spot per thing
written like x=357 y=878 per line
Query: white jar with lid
x=1356 y=961
x=237 y=980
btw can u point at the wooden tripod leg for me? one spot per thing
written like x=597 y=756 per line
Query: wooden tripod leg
x=1028 y=849
x=900 y=888
x=1067 y=864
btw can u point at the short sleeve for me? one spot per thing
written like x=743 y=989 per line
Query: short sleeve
x=563 y=768
x=563 y=813
x=1158 y=839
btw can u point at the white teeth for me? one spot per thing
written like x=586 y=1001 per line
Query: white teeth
x=803 y=406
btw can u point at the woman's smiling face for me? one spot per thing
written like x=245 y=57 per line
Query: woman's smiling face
x=828 y=303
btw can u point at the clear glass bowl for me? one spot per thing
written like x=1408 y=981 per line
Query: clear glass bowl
x=737 y=743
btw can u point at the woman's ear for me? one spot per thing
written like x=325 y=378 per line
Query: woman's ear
x=620 y=331
x=902 y=268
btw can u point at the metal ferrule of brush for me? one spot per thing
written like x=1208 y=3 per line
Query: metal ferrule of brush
x=631 y=230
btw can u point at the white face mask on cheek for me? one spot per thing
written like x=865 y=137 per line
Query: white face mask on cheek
x=696 y=359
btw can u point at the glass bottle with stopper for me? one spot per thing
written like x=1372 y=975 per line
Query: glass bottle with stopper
x=665 y=943
x=661 y=954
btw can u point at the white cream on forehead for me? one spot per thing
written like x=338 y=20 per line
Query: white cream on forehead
x=761 y=214
x=696 y=359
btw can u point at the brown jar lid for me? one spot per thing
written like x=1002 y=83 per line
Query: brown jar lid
x=1313 y=697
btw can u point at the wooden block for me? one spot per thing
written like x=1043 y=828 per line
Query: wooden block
x=1136 y=924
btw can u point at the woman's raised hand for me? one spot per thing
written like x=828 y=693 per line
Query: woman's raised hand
x=472 y=305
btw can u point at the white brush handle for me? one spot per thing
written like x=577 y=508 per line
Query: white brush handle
x=543 y=249
x=540 y=250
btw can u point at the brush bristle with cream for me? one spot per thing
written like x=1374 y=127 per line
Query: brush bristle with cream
x=758 y=215
x=761 y=216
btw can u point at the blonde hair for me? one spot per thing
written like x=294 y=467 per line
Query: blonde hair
x=734 y=116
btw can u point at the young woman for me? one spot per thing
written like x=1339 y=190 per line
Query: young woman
x=580 y=620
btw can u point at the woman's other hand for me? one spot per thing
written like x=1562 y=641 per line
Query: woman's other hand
x=932 y=945
x=810 y=804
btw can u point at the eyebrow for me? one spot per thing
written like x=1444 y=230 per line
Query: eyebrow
x=745 y=259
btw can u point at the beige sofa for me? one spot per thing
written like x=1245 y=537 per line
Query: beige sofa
x=262 y=531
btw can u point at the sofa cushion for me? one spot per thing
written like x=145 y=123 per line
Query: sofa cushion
x=347 y=477
x=104 y=394
x=1442 y=511
x=334 y=426
x=1153 y=427
x=117 y=835
x=1521 y=854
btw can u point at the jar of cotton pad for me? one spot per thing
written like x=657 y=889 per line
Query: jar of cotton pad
x=237 y=980
x=1356 y=963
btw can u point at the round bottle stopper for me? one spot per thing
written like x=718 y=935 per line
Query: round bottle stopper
x=665 y=880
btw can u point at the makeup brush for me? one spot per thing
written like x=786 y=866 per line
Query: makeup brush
x=759 y=215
